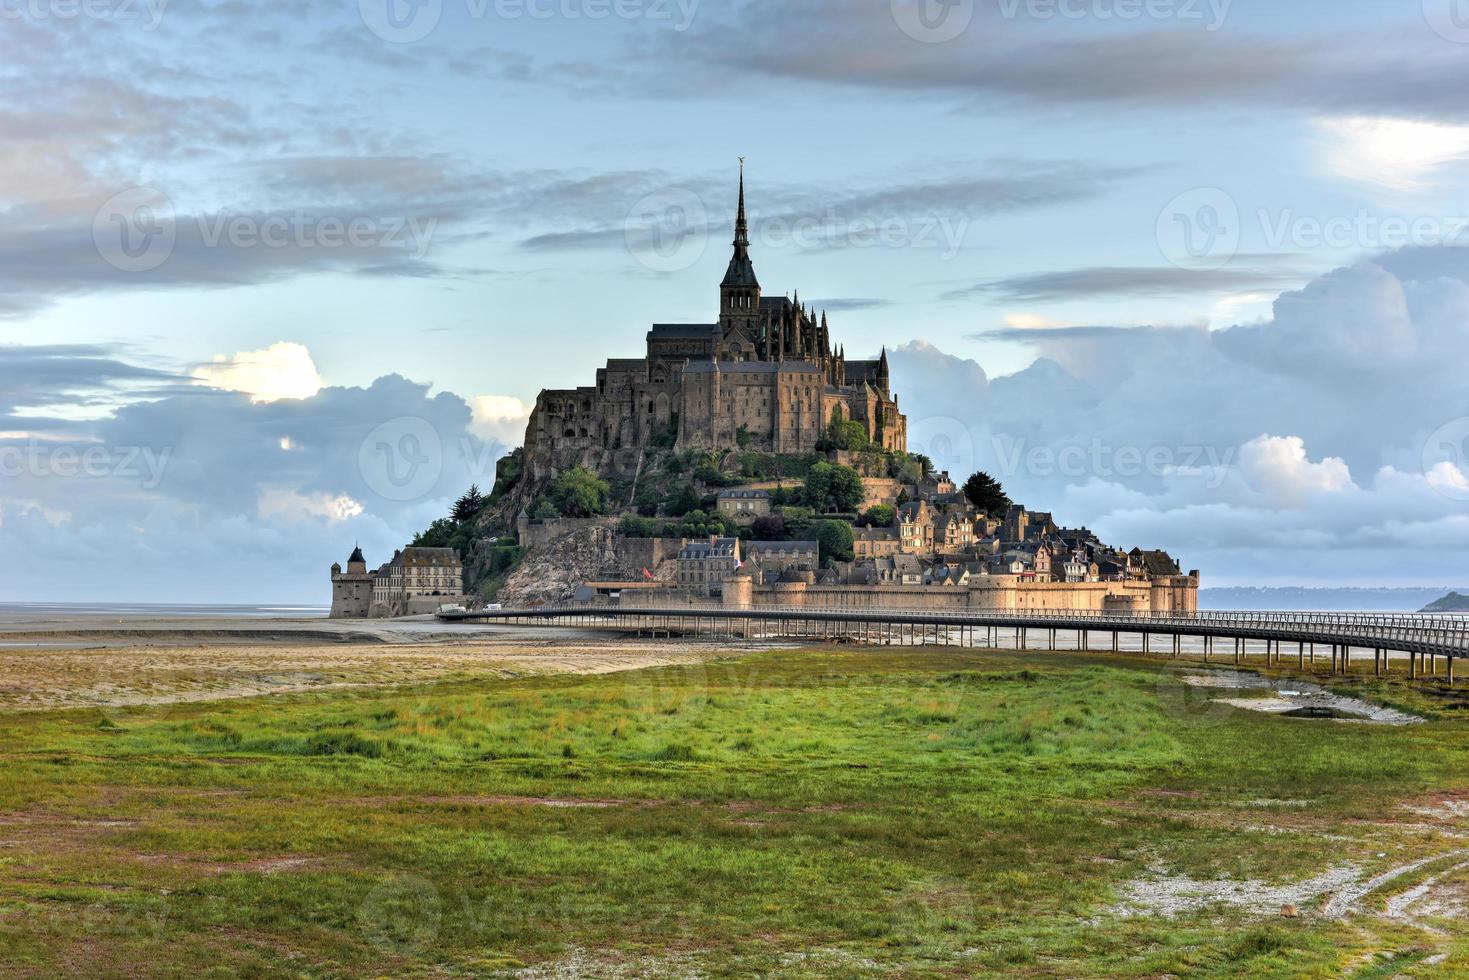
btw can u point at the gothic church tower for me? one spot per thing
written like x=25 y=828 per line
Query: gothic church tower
x=739 y=294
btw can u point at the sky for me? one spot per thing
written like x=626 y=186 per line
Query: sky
x=277 y=278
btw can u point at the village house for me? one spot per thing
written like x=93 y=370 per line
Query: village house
x=778 y=557
x=744 y=506
x=915 y=528
x=874 y=542
x=703 y=566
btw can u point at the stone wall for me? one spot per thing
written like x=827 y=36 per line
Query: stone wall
x=999 y=593
x=538 y=534
x=637 y=554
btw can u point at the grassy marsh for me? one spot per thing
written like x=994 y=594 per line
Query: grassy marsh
x=818 y=812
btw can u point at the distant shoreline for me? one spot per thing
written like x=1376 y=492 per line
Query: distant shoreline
x=164 y=609
x=1408 y=599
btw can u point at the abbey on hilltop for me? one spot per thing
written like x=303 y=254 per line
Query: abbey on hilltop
x=765 y=377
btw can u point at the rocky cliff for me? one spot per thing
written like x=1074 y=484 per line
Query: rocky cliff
x=554 y=570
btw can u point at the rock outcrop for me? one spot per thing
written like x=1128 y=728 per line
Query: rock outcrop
x=554 y=571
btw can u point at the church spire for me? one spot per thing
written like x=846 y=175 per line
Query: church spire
x=742 y=226
x=741 y=273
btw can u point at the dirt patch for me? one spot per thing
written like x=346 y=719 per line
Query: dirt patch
x=131 y=678
x=1164 y=894
x=259 y=866
x=553 y=802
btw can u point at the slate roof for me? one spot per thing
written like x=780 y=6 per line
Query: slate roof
x=720 y=548
x=744 y=495
x=683 y=331
x=756 y=548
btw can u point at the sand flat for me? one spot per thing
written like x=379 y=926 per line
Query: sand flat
x=99 y=664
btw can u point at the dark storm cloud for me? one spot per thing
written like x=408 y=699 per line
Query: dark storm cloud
x=1408 y=69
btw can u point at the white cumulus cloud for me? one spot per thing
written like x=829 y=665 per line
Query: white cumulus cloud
x=500 y=417
x=280 y=371
x=1279 y=467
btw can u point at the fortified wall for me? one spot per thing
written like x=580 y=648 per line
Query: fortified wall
x=999 y=593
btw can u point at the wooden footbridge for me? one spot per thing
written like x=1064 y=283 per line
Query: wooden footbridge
x=1429 y=644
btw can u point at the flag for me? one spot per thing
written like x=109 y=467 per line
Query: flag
x=647 y=575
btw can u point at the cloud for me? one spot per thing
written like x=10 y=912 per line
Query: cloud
x=295 y=507
x=1396 y=153
x=282 y=370
x=1328 y=443
x=1397 y=68
x=1108 y=281
x=1279 y=467
x=644 y=209
x=190 y=493
x=502 y=418
x=851 y=304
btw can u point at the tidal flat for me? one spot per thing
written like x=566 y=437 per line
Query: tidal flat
x=565 y=805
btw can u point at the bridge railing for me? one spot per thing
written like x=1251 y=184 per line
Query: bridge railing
x=1387 y=630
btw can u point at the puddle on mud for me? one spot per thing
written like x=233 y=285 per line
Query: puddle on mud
x=1296 y=699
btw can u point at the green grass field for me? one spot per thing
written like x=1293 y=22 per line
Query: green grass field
x=793 y=813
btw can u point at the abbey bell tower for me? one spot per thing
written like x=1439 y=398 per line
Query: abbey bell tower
x=739 y=293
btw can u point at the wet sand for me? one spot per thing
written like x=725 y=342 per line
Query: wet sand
x=110 y=662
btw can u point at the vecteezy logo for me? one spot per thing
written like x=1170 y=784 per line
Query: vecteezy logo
x=1446 y=460
x=402 y=459
x=668 y=230
x=135 y=231
x=1200 y=229
x=401 y=21
x=1448 y=18
x=933 y=21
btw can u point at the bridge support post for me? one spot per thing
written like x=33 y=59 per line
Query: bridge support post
x=1147 y=637
x=1116 y=640
x=1301 y=655
x=1208 y=647
x=1237 y=655
x=1450 y=670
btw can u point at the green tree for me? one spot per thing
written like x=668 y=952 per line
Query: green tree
x=440 y=534
x=580 y=493
x=835 y=538
x=687 y=499
x=467 y=507
x=507 y=474
x=986 y=494
x=544 y=510
x=640 y=527
x=880 y=516
x=771 y=527
x=831 y=489
x=847 y=435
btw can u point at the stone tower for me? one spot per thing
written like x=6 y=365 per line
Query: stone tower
x=739 y=294
x=352 y=589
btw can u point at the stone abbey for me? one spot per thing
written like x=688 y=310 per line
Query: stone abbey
x=765 y=377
